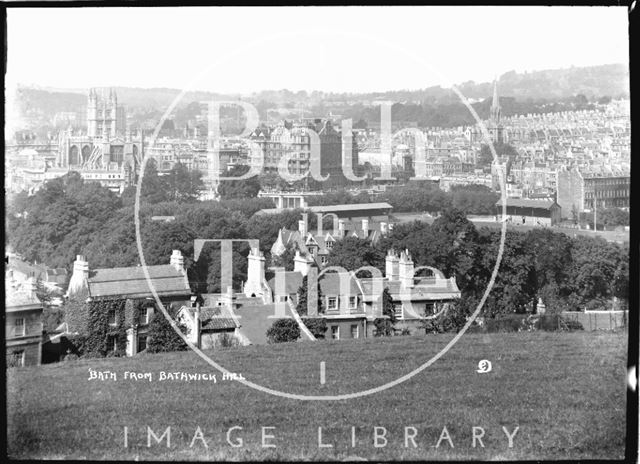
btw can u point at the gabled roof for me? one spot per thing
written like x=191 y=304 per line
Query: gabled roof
x=130 y=282
x=215 y=318
x=528 y=203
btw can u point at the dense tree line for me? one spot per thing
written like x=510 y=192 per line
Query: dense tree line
x=567 y=273
x=69 y=216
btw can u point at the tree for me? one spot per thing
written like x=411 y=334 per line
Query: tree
x=352 y=253
x=283 y=330
x=385 y=326
x=183 y=185
x=152 y=189
x=245 y=188
x=162 y=337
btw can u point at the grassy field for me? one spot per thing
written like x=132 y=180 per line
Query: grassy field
x=565 y=392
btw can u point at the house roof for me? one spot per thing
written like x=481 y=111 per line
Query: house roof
x=528 y=203
x=424 y=290
x=131 y=282
x=349 y=207
x=216 y=318
x=329 y=283
x=334 y=208
x=256 y=319
x=57 y=272
x=20 y=301
x=35 y=270
x=292 y=279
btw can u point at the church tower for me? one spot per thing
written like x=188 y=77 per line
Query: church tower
x=92 y=114
x=113 y=107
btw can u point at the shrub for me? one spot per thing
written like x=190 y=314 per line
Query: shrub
x=74 y=344
x=116 y=354
x=405 y=331
x=316 y=325
x=384 y=327
x=283 y=330
x=572 y=325
x=507 y=323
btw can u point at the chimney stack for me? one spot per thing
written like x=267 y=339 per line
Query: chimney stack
x=392 y=266
x=177 y=260
x=79 y=282
x=31 y=287
x=302 y=227
x=365 y=228
x=405 y=265
x=301 y=263
x=255 y=273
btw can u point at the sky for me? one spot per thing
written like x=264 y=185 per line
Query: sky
x=337 y=49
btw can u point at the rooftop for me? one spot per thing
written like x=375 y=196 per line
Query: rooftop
x=527 y=203
x=130 y=282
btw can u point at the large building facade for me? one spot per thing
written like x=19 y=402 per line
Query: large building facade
x=585 y=190
x=295 y=141
x=107 y=153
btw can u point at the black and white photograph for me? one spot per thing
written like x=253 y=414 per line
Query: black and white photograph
x=319 y=233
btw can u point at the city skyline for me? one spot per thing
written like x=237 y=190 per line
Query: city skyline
x=370 y=48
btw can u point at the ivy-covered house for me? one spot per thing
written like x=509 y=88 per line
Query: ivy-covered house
x=113 y=307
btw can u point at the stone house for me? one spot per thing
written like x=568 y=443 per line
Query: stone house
x=128 y=283
x=23 y=323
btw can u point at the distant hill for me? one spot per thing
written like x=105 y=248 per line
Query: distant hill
x=593 y=82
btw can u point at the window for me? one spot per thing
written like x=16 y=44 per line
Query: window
x=15 y=359
x=352 y=302
x=397 y=309
x=329 y=244
x=430 y=308
x=332 y=303
x=323 y=260
x=19 y=327
x=112 y=317
x=354 y=331
x=148 y=315
x=335 y=332
x=142 y=343
x=112 y=343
